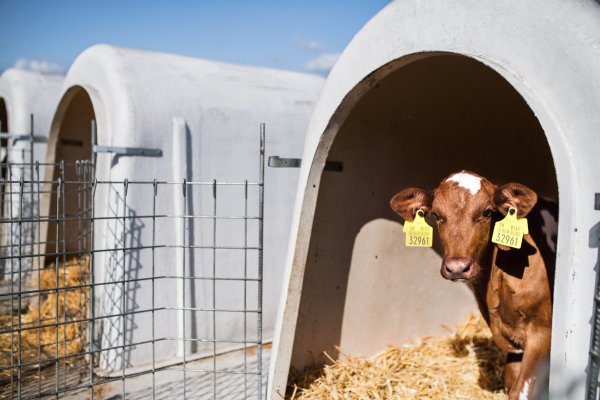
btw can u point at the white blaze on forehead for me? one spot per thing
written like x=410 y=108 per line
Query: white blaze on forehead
x=467 y=181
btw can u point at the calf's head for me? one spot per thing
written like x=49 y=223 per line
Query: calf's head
x=465 y=206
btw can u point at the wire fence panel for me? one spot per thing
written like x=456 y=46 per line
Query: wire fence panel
x=129 y=288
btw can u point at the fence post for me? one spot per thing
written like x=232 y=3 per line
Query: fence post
x=261 y=208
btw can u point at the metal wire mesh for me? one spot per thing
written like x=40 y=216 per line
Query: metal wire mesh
x=84 y=297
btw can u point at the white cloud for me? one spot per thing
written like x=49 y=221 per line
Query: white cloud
x=39 y=65
x=310 y=45
x=323 y=63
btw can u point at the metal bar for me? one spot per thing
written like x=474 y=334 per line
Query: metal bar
x=79 y=171
x=132 y=281
x=93 y=140
x=153 y=281
x=23 y=137
x=56 y=289
x=200 y=309
x=39 y=281
x=64 y=245
x=127 y=217
x=138 y=374
x=32 y=233
x=261 y=205
x=132 y=313
x=183 y=289
x=215 y=371
x=134 y=182
x=127 y=151
x=10 y=205
x=214 y=288
x=137 y=312
x=90 y=352
x=276 y=162
x=91 y=295
x=31 y=125
x=123 y=287
x=137 y=248
x=209 y=340
x=20 y=283
x=245 y=289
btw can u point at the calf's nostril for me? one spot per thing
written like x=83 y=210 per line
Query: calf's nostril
x=467 y=269
x=447 y=269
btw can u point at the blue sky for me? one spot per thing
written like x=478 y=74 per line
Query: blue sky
x=298 y=36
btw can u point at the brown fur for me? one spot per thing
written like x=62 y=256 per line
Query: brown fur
x=513 y=287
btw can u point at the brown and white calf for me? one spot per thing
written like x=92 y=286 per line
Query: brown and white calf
x=513 y=287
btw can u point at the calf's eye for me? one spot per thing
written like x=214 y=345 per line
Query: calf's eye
x=435 y=216
x=487 y=213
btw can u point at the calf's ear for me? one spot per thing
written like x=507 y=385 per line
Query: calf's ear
x=409 y=201
x=514 y=195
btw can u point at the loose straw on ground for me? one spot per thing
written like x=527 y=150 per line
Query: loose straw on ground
x=72 y=306
x=464 y=365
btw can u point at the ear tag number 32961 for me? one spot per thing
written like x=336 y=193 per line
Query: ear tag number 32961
x=418 y=232
x=510 y=230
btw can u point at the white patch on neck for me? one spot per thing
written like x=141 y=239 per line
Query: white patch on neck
x=524 y=392
x=467 y=181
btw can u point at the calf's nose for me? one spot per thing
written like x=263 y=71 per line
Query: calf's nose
x=457 y=265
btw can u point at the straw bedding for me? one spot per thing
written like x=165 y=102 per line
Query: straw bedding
x=72 y=306
x=464 y=365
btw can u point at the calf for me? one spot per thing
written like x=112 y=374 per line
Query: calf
x=513 y=287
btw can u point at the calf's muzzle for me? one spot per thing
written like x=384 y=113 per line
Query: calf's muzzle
x=458 y=268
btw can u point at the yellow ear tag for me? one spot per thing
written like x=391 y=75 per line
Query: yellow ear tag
x=510 y=230
x=418 y=232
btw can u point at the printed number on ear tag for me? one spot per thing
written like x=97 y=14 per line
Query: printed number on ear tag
x=510 y=230
x=418 y=232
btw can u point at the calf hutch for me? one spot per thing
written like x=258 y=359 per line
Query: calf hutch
x=27 y=103
x=175 y=147
x=509 y=90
